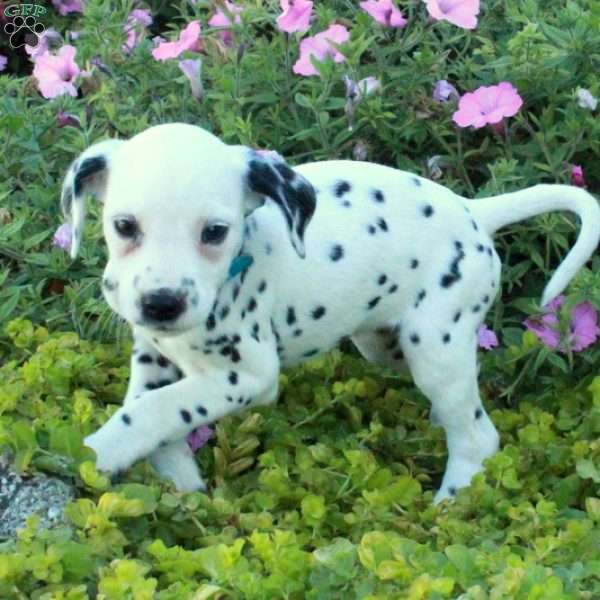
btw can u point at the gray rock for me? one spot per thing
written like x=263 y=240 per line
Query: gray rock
x=21 y=497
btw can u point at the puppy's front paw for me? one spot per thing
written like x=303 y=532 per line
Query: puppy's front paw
x=116 y=448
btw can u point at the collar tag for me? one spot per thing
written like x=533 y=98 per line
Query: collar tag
x=239 y=264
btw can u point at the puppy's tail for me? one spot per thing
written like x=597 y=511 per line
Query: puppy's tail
x=498 y=211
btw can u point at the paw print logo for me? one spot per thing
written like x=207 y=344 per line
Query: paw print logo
x=24 y=30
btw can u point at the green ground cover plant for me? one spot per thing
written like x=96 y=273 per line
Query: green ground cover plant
x=329 y=493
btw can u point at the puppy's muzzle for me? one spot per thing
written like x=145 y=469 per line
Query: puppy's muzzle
x=162 y=305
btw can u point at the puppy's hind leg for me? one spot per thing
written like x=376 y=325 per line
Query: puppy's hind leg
x=443 y=363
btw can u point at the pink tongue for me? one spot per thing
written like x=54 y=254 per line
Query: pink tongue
x=446 y=5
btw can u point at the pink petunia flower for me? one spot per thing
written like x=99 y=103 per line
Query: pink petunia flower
x=189 y=39
x=3 y=62
x=45 y=39
x=462 y=13
x=384 y=12
x=64 y=7
x=296 y=15
x=135 y=27
x=486 y=338
x=191 y=68
x=63 y=237
x=56 y=74
x=444 y=91
x=584 y=330
x=487 y=105
x=223 y=19
x=319 y=47
x=198 y=438
x=577 y=176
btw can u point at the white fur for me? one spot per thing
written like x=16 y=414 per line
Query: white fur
x=421 y=238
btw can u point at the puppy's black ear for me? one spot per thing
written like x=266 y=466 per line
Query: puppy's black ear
x=269 y=175
x=87 y=175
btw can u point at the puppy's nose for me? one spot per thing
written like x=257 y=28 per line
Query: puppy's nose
x=162 y=305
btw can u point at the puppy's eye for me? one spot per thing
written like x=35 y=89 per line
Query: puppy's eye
x=214 y=233
x=126 y=227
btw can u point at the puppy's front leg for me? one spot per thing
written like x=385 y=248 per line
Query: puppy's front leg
x=150 y=370
x=169 y=413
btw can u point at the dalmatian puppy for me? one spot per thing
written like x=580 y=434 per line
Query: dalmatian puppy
x=228 y=264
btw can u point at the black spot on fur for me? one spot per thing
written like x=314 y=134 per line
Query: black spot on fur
x=414 y=263
x=224 y=312
x=457 y=316
x=480 y=248
x=454 y=275
x=88 y=168
x=416 y=181
x=420 y=297
x=162 y=361
x=311 y=353
x=145 y=358
x=185 y=415
x=268 y=248
x=109 y=285
x=372 y=229
x=201 y=410
x=211 y=322
x=414 y=338
x=452 y=491
x=151 y=386
x=126 y=419
x=446 y=338
x=163 y=383
x=318 y=312
x=485 y=299
x=233 y=378
x=290 y=318
x=393 y=288
x=236 y=291
x=428 y=210
x=478 y=413
x=382 y=224
x=255 y=331
x=262 y=286
x=252 y=305
x=374 y=302
x=341 y=188
x=297 y=332
x=476 y=308
x=378 y=196
x=336 y=253
x=382 y=279
x=474 y=226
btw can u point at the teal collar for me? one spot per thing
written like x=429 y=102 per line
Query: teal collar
x=239 y=264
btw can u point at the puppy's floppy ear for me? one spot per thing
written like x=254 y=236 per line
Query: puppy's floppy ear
x=87 y=174
x=269 y=175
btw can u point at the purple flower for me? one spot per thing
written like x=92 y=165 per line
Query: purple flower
x=64 y=119
x=444 y=91
x=135 y=28
x=486 y=338
x=577 y=176
x=198 y=438
x=191 y=69
x=583 y=329
x=63 y=237
x=44 y=40
x=3 y=62
x=64 y=7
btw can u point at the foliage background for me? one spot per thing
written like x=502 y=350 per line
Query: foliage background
x=329 y=493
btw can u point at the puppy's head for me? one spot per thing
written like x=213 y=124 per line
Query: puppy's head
x=175 y=198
